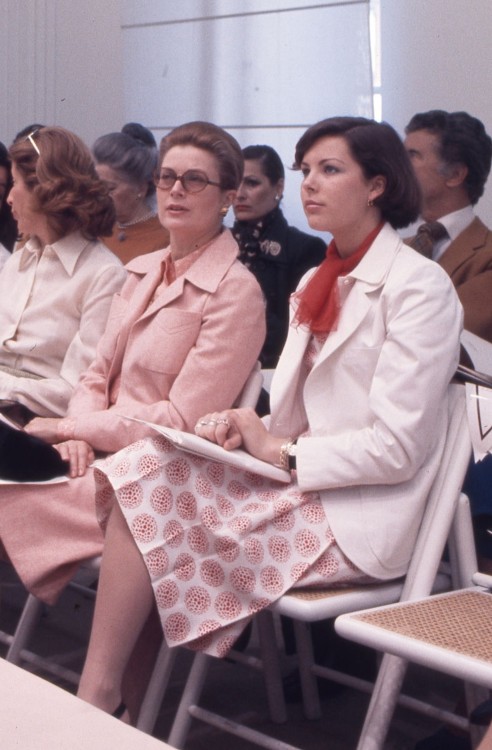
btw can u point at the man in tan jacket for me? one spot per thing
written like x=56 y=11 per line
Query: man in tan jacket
x=451 y=154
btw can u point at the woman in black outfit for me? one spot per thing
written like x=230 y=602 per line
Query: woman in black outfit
x=276 y=253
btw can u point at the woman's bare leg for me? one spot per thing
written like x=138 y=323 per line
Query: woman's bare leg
x=123 y=604
x=486 y=743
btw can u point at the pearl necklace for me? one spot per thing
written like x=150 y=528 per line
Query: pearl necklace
x=122 y=227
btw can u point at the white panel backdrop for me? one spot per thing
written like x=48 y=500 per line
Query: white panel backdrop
x=263 y=69
x=60 y=64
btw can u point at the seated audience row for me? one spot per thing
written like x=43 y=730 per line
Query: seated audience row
x=358 y=404
x=358 y=415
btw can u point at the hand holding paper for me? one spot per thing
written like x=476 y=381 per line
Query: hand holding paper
x=243 y=428
x=201 y=447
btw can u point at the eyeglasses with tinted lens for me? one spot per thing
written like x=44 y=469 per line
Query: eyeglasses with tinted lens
x=33 y=143
x=193 y=180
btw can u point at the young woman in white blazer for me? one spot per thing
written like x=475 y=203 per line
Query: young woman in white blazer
x=359 y=416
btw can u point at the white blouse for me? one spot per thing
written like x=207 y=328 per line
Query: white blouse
x=54 y=302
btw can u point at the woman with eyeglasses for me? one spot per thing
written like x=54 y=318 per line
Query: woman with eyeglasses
x=56 y=289
x=172 y=349
x=358 y=422
x=127 y=162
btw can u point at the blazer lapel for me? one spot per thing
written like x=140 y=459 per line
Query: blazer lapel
x=463 y=247
x=288 y=416
x=368 y=277
x=364 y=280
x=205 y=273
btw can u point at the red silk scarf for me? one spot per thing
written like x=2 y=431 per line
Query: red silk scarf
x=319 y=303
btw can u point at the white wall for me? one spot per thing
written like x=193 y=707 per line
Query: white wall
x=60 y=63
x=436 y=54
x=263 y=69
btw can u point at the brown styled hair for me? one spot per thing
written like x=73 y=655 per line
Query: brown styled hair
x=378 y=150
x=64 y=182
x=215 y=140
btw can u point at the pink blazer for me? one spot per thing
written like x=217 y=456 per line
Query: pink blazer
x=163 y=361
x=187 y=353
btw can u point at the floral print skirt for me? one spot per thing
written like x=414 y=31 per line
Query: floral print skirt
x=219 y=543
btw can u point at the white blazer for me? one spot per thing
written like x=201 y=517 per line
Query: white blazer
x=375 y=402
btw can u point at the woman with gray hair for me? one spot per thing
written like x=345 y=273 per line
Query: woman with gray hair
x=127 y=163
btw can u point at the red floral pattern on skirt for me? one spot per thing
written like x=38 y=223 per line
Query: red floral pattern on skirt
x=219 y=543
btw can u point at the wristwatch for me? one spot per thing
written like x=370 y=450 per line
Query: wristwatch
x=292 y=456
x=287 y=457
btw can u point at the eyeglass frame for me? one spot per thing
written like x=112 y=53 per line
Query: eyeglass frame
x=33 y=143
x=181 y=177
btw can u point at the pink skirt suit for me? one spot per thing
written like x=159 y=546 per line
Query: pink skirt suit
x=172 y=336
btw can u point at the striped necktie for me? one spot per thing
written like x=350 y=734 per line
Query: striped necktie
x=427 y=236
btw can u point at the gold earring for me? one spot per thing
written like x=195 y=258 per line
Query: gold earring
x=370 y=202
x=224 y=210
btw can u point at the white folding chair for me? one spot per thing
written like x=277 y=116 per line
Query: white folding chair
x=479 y=351
x=267 y=378
x=450 y=633
x=306 y=607
x=32 y=610
x=85 y=577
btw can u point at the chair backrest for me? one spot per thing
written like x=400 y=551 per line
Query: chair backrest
x=479 y=351
x=444 y=506
x=442 y=501
x=251 y=391
x=267 y=378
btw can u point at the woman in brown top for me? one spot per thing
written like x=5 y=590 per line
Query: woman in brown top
x=127 y=162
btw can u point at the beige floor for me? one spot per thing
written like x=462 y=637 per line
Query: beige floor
x=234 y=690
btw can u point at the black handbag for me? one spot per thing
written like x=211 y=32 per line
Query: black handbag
x=26 y=458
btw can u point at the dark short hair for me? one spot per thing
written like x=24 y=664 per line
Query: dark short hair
x=140 y=133
x=269 y=160
x=26 y=130
x=215 y=140
x=64 y=183
x=378 y=150
x=8 y=226
x=132 y=153
x=462 y=140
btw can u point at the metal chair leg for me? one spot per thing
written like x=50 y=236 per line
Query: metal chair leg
x=156 y=689
x=25 y=628
x=189 y=698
